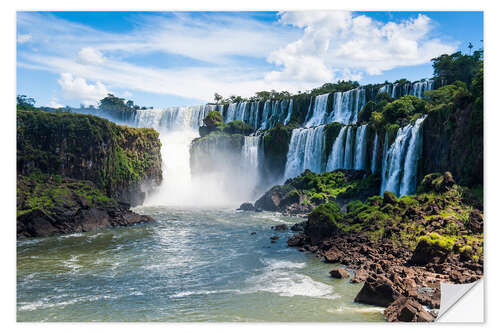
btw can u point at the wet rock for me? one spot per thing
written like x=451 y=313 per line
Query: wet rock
x=253 y=233
x=377 y=291
x=246 y=206
x=390 y=198
x=298 y=226
x=407 y=310
x=281 y=227
x=296 y=240
x=274 y=238
x=339 y=273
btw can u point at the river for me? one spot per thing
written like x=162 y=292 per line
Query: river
x=193 y=264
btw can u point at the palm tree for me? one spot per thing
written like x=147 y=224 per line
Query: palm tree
x=470 y=46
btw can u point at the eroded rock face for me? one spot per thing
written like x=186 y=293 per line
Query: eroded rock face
x=407 y=310
x=246 y=206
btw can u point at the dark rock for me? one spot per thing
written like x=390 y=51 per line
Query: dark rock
x=339 y=273
x=296 y=240
x=246 y=206
x=359 y=276
x=379 y=291
x=298 y=226
x=426 y=252
x=270 y=201
x=390 y=198
x=253 y=233
x=274 y=238
x=407 y=310
x=333 y=255
x=281 y=227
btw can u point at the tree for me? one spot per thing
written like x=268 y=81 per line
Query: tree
x=212 y=119
x=457 y=66
x=402 y=108
x=26 y=103
x=470 y=46
x=217 y=98
x=130 y=104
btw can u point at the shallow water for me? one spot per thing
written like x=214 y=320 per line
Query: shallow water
x=192 y=265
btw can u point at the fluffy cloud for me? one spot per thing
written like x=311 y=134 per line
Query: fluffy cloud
x=55 y=104
x=78 y=88
x=228 y=53
x=90 y=55
x=338 y=45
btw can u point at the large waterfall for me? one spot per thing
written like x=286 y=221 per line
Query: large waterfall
x=318 y=111
x=399 y=171
x=305 y=151
x=336 y=158
x=360 y=148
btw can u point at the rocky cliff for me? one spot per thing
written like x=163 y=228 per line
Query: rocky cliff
x=453 y=141
x=122 y=161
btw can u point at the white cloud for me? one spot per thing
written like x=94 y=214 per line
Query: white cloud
x=127 y=94
x=90 y=55
x=55 y=104
x=23 y=38
x=78 y=88
x=227 y=53
x=336 y=43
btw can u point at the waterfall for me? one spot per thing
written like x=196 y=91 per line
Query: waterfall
x=399 y=171
x=393 y=94
x=251 y=160
x=172 y=118
x=348 y=150
x=289 y=114
x=418 y=88
x=409 y=181
x=374 y=154
x=265 y=114
x=346 y=105
x=319 y=111
x=305 y=151
x=336 y=159
x=360 y=156
x=253 y=117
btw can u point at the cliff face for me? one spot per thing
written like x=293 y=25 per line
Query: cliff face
x=453 y=141
x=122 y=161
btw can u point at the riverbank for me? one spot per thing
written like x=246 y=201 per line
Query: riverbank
x=402 y=249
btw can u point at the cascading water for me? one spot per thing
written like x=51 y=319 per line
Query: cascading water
x=265 y=114
x=319 y=111
x=305 y=151
x=348 y=150
x=418 y=88
x=374 y=154
x=251 y=159
x=336 y=158
x=399 y=170
x=346 y=105
x=360 y=156
x=289 y=114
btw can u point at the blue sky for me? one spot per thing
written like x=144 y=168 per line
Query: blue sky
x=181 y=58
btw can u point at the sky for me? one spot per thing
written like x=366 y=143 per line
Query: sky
x=163 y=59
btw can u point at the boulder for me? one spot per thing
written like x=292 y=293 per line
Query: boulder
x=296 y=240
x=426 y=252
x=339 y=273
x=246 y=206
x=274 y=238
x=281 y=227
x=359 y=276
x=378 y=291
x=333 y=255
x=390 y=198
x=298 y=226
x=407 y=310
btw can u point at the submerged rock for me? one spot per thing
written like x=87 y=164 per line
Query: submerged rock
x=281 y=227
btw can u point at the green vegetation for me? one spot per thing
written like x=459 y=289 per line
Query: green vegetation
x=48 y=192
x=87 y=147
x=446 y=218
x=458 y=67
x=215 y=126
x=330 y=186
